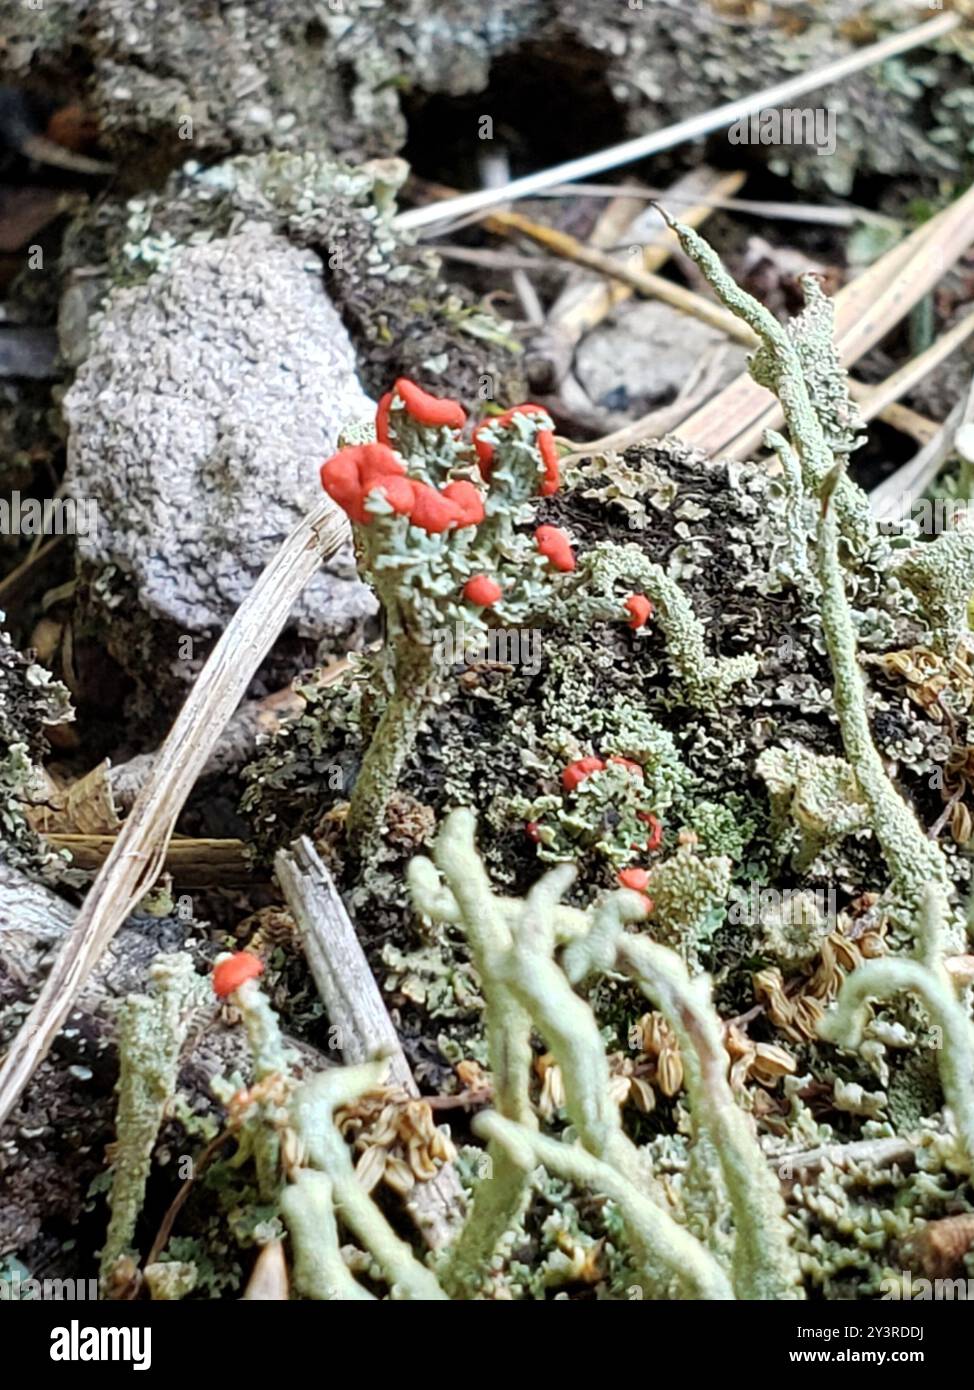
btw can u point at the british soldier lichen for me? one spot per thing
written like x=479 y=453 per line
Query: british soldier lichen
x=720 y=792
x=438 y=529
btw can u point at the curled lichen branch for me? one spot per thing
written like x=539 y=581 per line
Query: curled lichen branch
x=609 y=568
x=312 y=1113
x=649 y=1227
x=925 y=976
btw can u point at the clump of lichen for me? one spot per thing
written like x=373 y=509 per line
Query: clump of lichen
x=793 y=806
x=30 y=701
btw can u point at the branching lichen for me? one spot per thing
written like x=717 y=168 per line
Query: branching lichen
x=151 y=1033
x=925 y=976
x=800 y=365
x=312 y=1112
x=941 y=574
x=520 y=959
x=446 y=558
x=706 y=680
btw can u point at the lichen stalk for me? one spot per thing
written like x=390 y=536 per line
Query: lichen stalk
x=312 y=1112
x=656 y=1238
x=765 y=1266
x=925 y=976
x=151 y=1034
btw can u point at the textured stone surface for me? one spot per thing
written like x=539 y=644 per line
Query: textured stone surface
x=209 y=77
x=643 y=356
x=210 y=397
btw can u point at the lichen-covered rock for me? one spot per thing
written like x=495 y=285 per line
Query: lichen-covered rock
x=405 y=317
x=30 y=700
x=342 y=76
x=197 y=423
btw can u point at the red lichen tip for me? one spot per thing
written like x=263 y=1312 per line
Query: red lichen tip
x=468 y=502
x=655 y=830
x=351 y=474
x=426 y=409
x=636 y=879
x=549 y=455
x=382 y=419
x=482 y=590
x=431 y=511
x=398 y=492
x=577 y=771
x=555 y=547
x=230 y=974
x=533 y=831
x=545 y=440
x=640 y=608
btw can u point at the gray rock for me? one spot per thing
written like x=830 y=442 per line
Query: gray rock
x=198 y=422
x=642 y=357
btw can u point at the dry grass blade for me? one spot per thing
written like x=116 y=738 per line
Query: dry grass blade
x=909 y=422
x=874 y=400
x=19 y=580
x=734 y=421
x=192 y=863
x=356 y=1009
x=658 y=140
x=585 y=303
x=139 y=851
x=643 y=281
x=824 y=215
x=893 y=498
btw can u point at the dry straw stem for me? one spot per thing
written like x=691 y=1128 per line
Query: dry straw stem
x=873 y=401
x=734 y=421
x=192 y=863
x=876 y=401
x=819 y=214
x=894 y=497
x=584 y=302
x=643 y=281
x=20 y=579
x=138 y=854
x=356 y=1010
